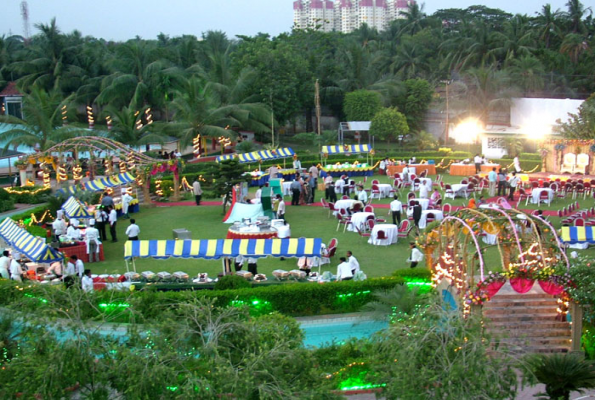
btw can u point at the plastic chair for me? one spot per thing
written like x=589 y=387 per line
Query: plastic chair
x=579 y=222
x=404 y=229
x=369 y=209
x=375 y=182
x=343 y=220
x=448 y=192
x=446 y=209
x=331 y=209
x=375 y=192
x=324 y=202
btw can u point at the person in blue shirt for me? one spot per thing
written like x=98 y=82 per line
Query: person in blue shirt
x=492 y=182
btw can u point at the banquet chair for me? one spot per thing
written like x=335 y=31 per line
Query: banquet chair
x=396 y=175
x=470 y=190
x=357 y=207
x=343 y=220
x=424 y=173
x=546 y=184
x=362 y=233
x=410 y=196
x=324 y=202
x=381 y=235
x=370 y=224
x=375 y=192
x=439 y=178
x=430 y=217
x=579 y=222
x=582 y=161
x=523 y=195
x=579 y=190
x=448 y=192
x=351 y=186
x=416 y=184
x=345 y=197
x=446 y=209
x=464 y=181
x=375 y=182
x=544 y=197
x=331 y=209
x=369 y=209
x=534 y=184
x=437 y=205
x=569 y=163
x=328 y=253
x=404 y=229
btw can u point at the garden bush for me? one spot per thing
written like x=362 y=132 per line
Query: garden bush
x=26 y=195
x=231 y=282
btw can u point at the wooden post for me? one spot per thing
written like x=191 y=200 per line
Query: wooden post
x=576 y=312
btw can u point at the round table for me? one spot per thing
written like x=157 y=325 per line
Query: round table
x=263 y=234
x=385 y=189
x=344 y=204
x=358 y=220
x=459 y=189
x=438 y=216
x=391 y=231
x=424 y=203
x=536 y=193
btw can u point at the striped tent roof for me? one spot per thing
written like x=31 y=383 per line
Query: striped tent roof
x=73 y=208
x=578 y=234
x=217 y=248
x=100 y=184
x=353 y=148
x=249 y=157
x=68 y=190
x=225 y=157
x=33 y=247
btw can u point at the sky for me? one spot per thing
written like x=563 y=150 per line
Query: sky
x=125 y=19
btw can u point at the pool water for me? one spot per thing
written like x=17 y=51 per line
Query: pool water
x=323 y=332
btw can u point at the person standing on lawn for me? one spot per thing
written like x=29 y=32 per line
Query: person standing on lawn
x=197 y=191
x=101 y=218
x=133 y=230
x=113 y=219
x=396 y=207
x=513 y=183
x=126 y=199
x=92 y=241
x=416 y=255
x=492 y=182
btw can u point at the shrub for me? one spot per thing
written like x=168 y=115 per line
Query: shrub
x=231 y=282
x=36 y=230
x=6 y=205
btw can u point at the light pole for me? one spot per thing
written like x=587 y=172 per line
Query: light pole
x=446 y=84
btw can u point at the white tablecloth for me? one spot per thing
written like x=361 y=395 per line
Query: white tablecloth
x=286 y=188
x=384 y=190
x=358 y=220
x=489 y=239
x=537 y=192
x=424 y=203
x=344 y=204
x=391 y=231
x=409 y=175
x=459 y=189
x=427 y=182
x=424 y=215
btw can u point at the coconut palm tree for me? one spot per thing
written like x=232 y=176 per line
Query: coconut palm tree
x=548 y=24
x=41 y=126
x=573 y=46
x=129 y=126
x=527 y=72
x=515 y=40
x=200 y=109
x=575 y=13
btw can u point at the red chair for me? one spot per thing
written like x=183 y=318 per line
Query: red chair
x=345 y=197
x=410 y=196
x=375 y=192
x=446 y=209
x=370 y=223
x=404 y=229
x=579 y=190
x=430 y=217
x=357 y=207
x=534 y=184
x=362 y=233
x=437 y=205
x=375 y=182
x=464 y=181
x=381 y=235
x=439 y=178
x=470 y=190
x=343 y=220
x=579 y=222
x=523 y=195
x=331 y=209
x=369 y=209
x=448 y=192
x=545 y=198
x=324 y=202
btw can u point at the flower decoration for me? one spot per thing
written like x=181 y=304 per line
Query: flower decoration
x=478 y=298
x=492 y=277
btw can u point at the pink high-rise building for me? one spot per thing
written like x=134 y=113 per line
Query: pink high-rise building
x=347 y=15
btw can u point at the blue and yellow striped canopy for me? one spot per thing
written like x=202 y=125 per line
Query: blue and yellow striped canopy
x=73 y=208
x=578 y=234
x=249 y=157
x=101 y=184
x=33 y=247
x=353 y=148
x=217 y=248
x=225 y=157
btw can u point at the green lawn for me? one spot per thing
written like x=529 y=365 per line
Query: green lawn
x=306 y=221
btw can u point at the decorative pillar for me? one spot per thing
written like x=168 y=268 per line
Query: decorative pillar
x=576 y=312
x=146 y=190
x=506 y=255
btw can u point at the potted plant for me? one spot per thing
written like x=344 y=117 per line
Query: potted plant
x=521 y=278
x=492 y=283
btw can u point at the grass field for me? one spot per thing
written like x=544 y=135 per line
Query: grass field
x=205 y=222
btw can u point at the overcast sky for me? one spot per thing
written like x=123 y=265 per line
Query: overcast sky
x=125 y=19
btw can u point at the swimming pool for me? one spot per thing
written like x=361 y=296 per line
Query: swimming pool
x=321 y=332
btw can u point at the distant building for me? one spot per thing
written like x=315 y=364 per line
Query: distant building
x=11 y=101
x=347 y=15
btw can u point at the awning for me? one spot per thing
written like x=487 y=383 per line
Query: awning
x=73 y=208
x=249 y=157
x=100 y=184
x=578 y=234
x=225 y=157
x=353 y=148
x=216 y=248
x=33 y=247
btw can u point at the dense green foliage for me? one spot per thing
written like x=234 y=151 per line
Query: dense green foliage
x=25 y=195
x=389 y=124
x=362 y=105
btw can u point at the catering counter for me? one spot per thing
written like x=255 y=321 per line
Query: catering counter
x=80 y=250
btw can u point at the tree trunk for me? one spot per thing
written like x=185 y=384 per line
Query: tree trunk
x=309 y=126
x=176 y=196
x=146 y=190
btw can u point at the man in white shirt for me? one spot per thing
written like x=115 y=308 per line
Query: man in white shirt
x=178 y=154
x=75 y=267
x=339 y=186
x=281 y=208
x=100 y=221
x=133 y=230
x=517 y=164
x=416 y=255
x=344 y=271
x=362 y=195
x=423 y=191
x=492 y=182
x=513 y=182
x=477 y=162
x=113 y=219
x=406 y=173
x=56 y=268
x=92 y=241
x=197 y=191
x=87 y=281
x=126 y=199
x=252 y=267
x=5 y=265
x=352 y=262
x=73 y=231
x=297 y=165
x=59 y=227
x=16 y=271
x=330 y=193
x=314 y=171
x=257 y=196
x=396 y=208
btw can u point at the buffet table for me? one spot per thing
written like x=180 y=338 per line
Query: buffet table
x=352 y=170
x=237 y=233
x=469 y=169
x=80 y=250
x=391 y=170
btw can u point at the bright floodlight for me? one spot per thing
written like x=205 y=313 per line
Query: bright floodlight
x=467 y=131
x=537 y=130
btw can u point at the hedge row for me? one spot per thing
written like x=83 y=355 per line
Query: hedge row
x=292 y=299
x=27 y=195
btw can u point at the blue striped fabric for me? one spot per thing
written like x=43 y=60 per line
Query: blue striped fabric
x=225 y=157
x=577 y=234
x=33 y=247
x=217 y=248
x=101 y=184
x=73 y=208
x=353 y=148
